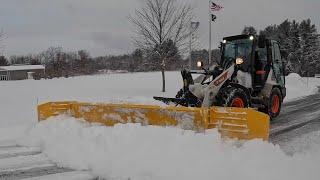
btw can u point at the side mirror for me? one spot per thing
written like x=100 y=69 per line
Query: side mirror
x=262 y=41
x=200 y=64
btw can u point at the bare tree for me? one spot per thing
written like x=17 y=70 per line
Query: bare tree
x=249 y=30
x=4 y=61
x=158 y=22
x=2 y=37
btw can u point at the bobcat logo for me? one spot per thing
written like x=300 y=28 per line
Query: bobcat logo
x=221 y=79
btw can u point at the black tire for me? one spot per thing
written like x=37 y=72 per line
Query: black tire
x=275 y=92
x=228 y=95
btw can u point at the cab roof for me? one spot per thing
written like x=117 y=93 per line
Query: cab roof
x=244 y=36
x=231 y=38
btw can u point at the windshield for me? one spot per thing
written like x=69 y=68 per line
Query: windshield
x=240 y=48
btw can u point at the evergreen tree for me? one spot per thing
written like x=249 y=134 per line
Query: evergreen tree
x=309 y=48
x=270 y=32
x=299 y=45
x=294 y=54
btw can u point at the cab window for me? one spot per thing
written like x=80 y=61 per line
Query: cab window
x=277 y=64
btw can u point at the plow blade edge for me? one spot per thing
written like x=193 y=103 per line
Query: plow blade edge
x=230 y=122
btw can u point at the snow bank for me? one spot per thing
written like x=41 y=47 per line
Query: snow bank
x=134 y=152
x=19 y=99
x=298 y=87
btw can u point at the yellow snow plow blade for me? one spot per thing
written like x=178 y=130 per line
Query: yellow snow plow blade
x=231 y=122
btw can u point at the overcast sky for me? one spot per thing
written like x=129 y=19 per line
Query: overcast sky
x=102 y=27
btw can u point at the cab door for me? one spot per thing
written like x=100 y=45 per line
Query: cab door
x=277 y=65
x=260 y=67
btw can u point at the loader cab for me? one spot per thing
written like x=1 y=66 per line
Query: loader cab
x=234 y=47
x=267 y=58
x=259 y=54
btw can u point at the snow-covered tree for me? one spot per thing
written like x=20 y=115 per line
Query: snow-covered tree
x=309 y=47
x=270 y=31
x=294 y=54
x=299 y=45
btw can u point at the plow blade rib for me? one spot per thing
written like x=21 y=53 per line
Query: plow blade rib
x=241 y=123
x=111 y=114
x=231 y=122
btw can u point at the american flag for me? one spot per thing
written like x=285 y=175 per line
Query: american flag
x=215 y=7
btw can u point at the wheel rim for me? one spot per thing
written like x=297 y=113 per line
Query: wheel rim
x=275 y=104
x=237 y=102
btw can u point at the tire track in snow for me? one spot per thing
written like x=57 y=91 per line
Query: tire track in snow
x=32 y=172
x=17 y=162
x=15 y=151
x=297 y=117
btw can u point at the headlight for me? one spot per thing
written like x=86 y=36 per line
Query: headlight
x=239 y=61
x=199 y=64
x=224 y=41
x=251 y=38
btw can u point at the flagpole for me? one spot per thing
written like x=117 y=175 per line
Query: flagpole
x=190 y=47
x=209 y=60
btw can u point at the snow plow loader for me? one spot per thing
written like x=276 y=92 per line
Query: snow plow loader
x=250 y=77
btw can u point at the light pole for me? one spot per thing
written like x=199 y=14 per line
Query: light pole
x=210 y=19
x=190 y=47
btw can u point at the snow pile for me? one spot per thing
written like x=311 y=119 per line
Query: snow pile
x=108 y=71
x=133 y=152
x=19 y=99
x=298 y=87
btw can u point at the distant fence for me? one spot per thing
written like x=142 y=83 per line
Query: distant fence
x=3 y=78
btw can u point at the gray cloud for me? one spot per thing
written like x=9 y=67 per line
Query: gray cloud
x=102 y=27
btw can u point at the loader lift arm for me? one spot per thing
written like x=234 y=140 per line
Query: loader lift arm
x=184 y=97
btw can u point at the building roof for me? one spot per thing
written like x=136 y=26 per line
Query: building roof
x=21 y=67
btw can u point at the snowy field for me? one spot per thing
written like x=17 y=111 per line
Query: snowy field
x=19 y=99
x=135 y=152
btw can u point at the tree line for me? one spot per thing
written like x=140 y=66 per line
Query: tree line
x=300 y=45
x=61 y=63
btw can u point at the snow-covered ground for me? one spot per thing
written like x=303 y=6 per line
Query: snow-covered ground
x=136 y=152
x=298 y=87
x=19 y=99
x=132 y=151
